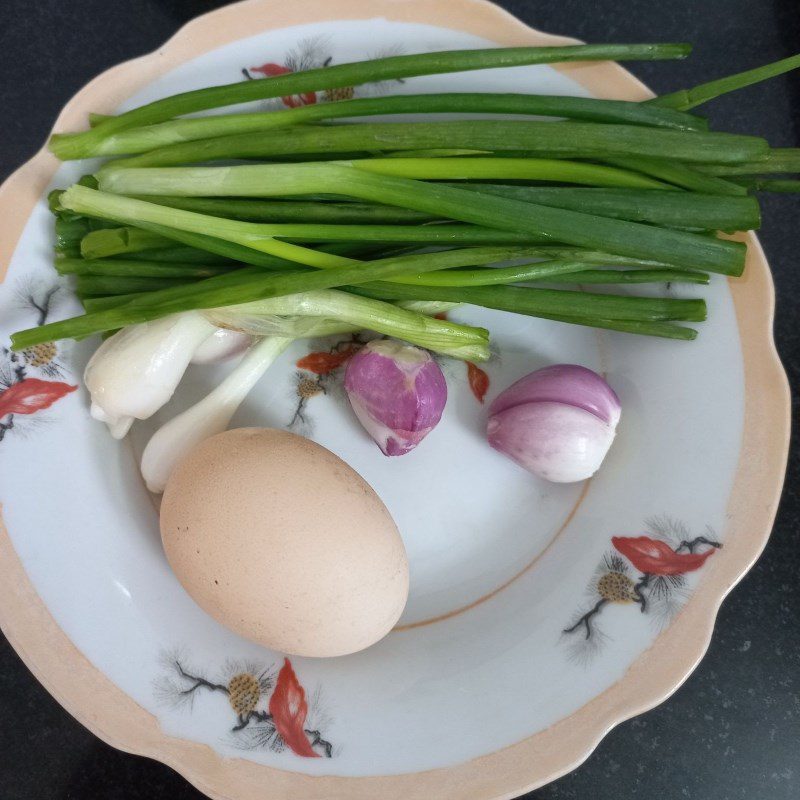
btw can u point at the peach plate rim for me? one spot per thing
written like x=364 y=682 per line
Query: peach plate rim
x=114 y=717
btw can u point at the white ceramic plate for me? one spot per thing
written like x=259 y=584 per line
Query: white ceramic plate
x=480 y=692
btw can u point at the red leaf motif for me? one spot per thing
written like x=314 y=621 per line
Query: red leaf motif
x=655 y=557
x=324 y=363
x=270 y=70
x=288 y=708
x=31 y=395
x=478 y=381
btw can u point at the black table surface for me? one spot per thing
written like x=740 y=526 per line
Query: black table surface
x=733 y=730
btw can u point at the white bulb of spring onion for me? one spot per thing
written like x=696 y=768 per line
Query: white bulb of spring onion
x=171 y=442
x=558 y=422
x=221 y=345
x=135 y=372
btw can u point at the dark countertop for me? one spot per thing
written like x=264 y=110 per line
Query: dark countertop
x=733 y=730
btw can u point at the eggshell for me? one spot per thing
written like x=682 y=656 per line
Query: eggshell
x=281 y=541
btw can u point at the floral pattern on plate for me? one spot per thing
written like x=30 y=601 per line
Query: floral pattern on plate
x=22 y=393
x=649 y=571
x=272 y=710
x=313 y=54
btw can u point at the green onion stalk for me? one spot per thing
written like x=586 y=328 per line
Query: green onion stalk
x=250 y=284
x=337 y=213
x=554 y=224
x=124 y=239
x=264 y=324
x=201 y=249
x=551 y=272
x=150 y=137
x=113 y=267
x=239 y=254
x=685 y=99
x=777 y=160
x=255 y=318
x=553 y=139
x=682 y=175
x=523 y=300
x=421 y=234
x=491 y=168
x=127 y=241
x=758 y=183
x=104 y=285
x=671 y=209
x=429 y=308
x=354 y=74
x=114 y=277
x=442 y=336
x=170 y=254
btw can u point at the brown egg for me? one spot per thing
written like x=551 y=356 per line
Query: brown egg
x=280 y=540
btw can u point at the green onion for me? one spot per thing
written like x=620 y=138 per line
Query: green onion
x=573 y=262
x=559 y=225
x=305 y=236
x=113 y=241
x=672 y=209
x=257 y=325
x=92 y=304
x=550 y=272
x=632 y=276
x=70 y=232
x=263 y=323
x=428 y=307
x=203 y=249
x=140 y=140
x=105 y=244
x=779 y=159
x=177 y=254
x=540 y=270
x=664 y=330
x=130 y=240
x=422 y=234
x=680 y=174
x=536 y=302
x=291 y=211
x=436 y=152
x=442 y=336
x=539 y=169
x=138 y=269
x=382 y=69
x=243 y=286
x=445 y=337
x=256 y=318
x=684 y=99
x=248 y=284
x=553 y=139
x=94 y=285
x=759 y=184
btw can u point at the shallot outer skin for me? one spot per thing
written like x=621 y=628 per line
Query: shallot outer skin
x=558 y=422
x=397 y=391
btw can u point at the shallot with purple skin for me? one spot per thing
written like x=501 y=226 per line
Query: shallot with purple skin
x=398 y=393
x=558 y=422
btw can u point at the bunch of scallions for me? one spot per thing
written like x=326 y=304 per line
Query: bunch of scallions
x=277 y=222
